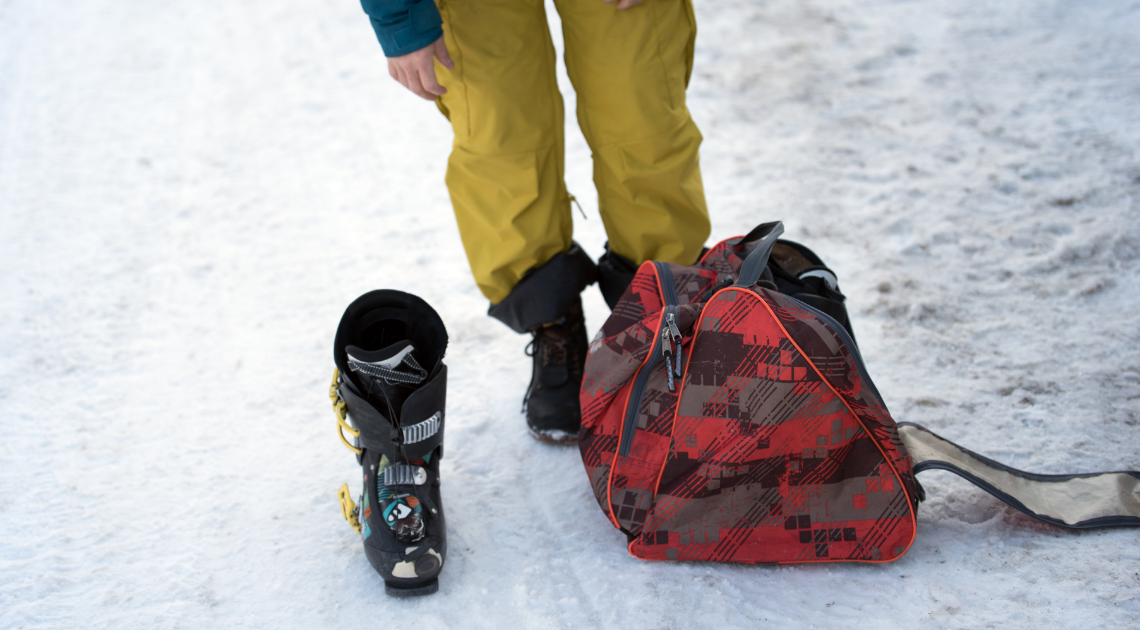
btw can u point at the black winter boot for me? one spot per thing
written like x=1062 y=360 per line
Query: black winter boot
x=389 y=393
x=553 y=413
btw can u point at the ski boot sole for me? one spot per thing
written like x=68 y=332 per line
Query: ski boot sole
x=417 y=591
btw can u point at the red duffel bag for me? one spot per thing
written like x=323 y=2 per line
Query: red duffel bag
x=728 y=416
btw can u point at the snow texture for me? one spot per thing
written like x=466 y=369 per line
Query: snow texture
x=191 y=192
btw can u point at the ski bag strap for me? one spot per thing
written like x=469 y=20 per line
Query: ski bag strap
x=757 y=259
x=1080 y=501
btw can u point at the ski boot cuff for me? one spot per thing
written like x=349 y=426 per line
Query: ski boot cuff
x=381 y=318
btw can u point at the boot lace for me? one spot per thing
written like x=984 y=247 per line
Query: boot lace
x=553 y=344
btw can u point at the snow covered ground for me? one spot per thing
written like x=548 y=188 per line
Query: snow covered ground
x=192 y=191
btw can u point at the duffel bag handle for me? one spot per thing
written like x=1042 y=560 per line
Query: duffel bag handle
x=757 y=259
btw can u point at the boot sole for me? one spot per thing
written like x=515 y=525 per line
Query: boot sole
x=559 y=437
x=417 y=591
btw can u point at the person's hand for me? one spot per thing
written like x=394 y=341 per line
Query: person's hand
x=416 y=71
x=623 y=4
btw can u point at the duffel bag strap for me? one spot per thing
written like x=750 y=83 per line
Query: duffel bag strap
x=757 y=259
x=1080 y=501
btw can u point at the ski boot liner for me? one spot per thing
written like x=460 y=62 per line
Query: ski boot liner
x=728 y=416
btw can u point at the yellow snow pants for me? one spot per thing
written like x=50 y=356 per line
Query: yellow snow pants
x=505 y=175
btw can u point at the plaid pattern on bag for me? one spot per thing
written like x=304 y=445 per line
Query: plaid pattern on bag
x=758 y=437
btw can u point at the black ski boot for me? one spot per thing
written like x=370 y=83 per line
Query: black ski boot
x=388 y=393
x=553 y=413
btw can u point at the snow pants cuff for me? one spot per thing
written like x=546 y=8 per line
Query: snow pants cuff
x=615 y=272
x=546 y=293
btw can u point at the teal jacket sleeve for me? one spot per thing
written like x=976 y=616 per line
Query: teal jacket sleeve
x=404 y=26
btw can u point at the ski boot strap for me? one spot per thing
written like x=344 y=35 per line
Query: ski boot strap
x=371 y=429
x=340 y=409
x=348 y=508
x=404 y=475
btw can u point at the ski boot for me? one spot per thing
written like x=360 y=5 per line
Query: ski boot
x=388 y=393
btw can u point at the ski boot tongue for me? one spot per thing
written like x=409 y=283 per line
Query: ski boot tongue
x=388 y=375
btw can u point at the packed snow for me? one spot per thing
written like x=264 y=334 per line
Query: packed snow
x=191 y=192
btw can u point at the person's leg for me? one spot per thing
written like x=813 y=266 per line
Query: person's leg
x=505 y=176
x=630 y=69
x=505 y=173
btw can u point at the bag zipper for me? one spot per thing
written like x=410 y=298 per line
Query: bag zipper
x=667 y=345
x=663 y=348
x=672 y=334
x=846 y=338
x=862 y=369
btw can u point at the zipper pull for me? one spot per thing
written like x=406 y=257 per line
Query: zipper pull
x=671 y=320
x=675 y=332
x=667 y=354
